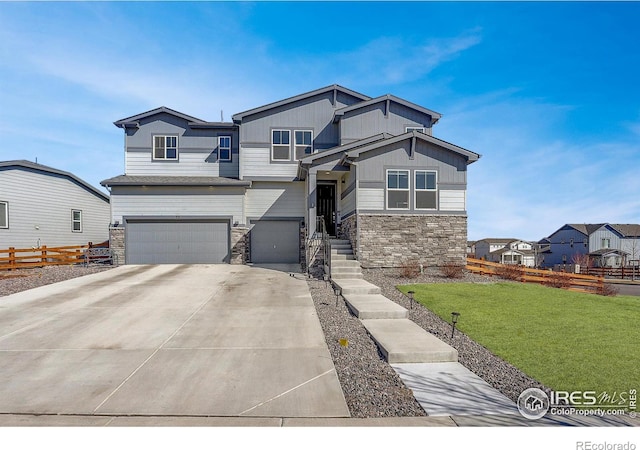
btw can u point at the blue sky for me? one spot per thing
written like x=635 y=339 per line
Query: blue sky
x=547 y=92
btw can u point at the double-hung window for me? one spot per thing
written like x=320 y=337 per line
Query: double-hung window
x=303 y=143
x=397 y=189
x=165 y=147
x=76 y=221
x=4 y=215
x=426 y=192
x=280 y=145
x=224 y=148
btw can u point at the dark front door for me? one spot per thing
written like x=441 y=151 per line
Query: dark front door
x=327 y=206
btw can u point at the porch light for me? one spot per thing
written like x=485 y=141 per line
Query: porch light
x=410 y=293
x=454 y=321
x=338 y=292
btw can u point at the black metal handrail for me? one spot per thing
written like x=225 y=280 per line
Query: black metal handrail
x=326 y=244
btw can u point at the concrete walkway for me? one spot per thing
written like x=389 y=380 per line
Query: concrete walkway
x=426 y=365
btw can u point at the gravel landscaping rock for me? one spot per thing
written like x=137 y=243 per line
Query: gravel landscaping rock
x=23 y=279
x=371 y=387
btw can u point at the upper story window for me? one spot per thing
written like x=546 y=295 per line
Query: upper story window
x=224 y=148
x=426 y=191
x=303 y=143
x=165 y=147
x=420 y=129
x=76 y=221
x=4 y=215
x=605 y=243
x=281 y=145
x=397 y=189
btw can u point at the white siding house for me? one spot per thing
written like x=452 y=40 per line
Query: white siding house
x=40 y=205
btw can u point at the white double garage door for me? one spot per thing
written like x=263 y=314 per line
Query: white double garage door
x=207 y=241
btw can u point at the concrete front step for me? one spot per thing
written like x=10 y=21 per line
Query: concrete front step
x=341 y=246
x=341 y=251
x=355 y=286
x=340 y=241
x=375 y=306
x=346 y=269
x=402 y=341
x=338 y=263
x=336 y=275
x=335 y=257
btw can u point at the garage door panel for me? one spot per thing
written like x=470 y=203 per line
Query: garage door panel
x=177 y=242
x=275 y=241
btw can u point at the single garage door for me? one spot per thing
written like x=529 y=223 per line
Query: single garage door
x=275 y=241
x=181 y=241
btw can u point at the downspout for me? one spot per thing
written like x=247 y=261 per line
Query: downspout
x=356 y=250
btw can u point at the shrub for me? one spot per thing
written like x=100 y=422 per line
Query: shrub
x=452 y=270
x=510 y=272
x=607 y=289
x=410 y=269
x=558 y=280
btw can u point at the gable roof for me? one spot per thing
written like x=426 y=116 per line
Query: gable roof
x=497 y=240
x=627 y=229
x=23 y=164
x=384 y=98
x=334 y=87
x=343 y=148
x=471 y=156
x=133 y=120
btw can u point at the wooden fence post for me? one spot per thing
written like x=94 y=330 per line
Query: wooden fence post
x=12 y=257
x=43 y=259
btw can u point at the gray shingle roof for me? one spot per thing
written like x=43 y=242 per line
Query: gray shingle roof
x=130 y=180
x=28 y=165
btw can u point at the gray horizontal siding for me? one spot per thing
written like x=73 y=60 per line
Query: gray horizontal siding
x=256 y=162
x=40 y=209
x=177 y=201
x=267 y=199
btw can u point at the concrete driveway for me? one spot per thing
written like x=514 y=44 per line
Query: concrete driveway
x=170 y=340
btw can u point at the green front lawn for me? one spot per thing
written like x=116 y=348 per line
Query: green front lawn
x=566 y=340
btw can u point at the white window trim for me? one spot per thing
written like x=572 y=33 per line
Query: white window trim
x=415 y=197
x=74 y=221
x=280 y=145
x=295 y=145
x=6 y=215
x=153 y=147
x=408 y=190
x=420 y=129
x=220 y=147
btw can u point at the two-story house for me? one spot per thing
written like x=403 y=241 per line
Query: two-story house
x=252 y=189
x=506 y=251
x=606 y=244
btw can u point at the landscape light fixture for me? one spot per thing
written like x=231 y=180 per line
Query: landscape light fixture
x=411 y=299
x=337 y=291
x=325 y=277
x=454 y=320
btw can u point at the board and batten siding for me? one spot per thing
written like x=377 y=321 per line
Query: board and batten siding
x=177 y=201
x=40 y=208
x=270 y=199
x=370 y=120
x=197 y=149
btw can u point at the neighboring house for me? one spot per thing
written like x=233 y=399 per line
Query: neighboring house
x=253 y=189
x=607 y=245
x=40 y=205
x=506 y=251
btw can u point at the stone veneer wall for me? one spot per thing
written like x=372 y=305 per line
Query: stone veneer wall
x=394 y=240
x=349 y=231
x=116 y=243
x=239 y=245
